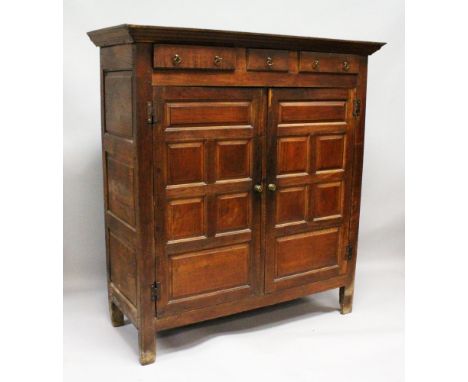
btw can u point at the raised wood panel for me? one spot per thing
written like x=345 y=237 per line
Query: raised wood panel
x=194 y=57
x=118 y=103
x=312 y=111
x=293 y=155
x=267 y=60
x=207 y=113
x=213 y=270
x=291 y=205
x=306 y=252
x=233 y=160
x=233 y=212
x=185 y=163
x=122 y=267
x=330 y=151
x=328 y=200
x=186 y=218
x=120 y=190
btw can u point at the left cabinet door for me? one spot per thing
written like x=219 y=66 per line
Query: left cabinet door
x=207 y=159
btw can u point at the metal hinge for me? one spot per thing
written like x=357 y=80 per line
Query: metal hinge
x=150 y=113
x=349 y=252
x=356 y=108
x=155 y=288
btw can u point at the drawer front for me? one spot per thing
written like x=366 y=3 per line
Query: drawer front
x=267 y=60
x=193 y=57
x=328 y=63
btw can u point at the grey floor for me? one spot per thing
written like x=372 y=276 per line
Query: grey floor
x=302 y=340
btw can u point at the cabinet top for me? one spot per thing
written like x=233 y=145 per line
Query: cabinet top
x=128 y=33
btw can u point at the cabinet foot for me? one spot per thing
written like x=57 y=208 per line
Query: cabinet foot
x=346 y=299
x=147 y=345
x=116 y=315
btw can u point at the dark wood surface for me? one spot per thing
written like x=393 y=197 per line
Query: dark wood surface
x=129 y=33
x=194 y=57
x=310 y=156
x=209 y=216
x=186 y=144
x=267 y=60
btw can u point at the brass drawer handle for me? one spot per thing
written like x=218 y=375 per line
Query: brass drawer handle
x=272 y=187
x=346 y=66
x=176 y=60
x=315 y=64
x=258 y=188
x=217 y=60
x=269 y=62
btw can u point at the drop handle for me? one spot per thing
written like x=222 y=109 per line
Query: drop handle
x=272 y=187
x=258 y=188
x=218 y=60
x=269 y=62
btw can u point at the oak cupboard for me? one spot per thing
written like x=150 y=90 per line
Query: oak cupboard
x=232 y=171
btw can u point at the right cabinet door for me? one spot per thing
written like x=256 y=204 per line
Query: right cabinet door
x=309 y=168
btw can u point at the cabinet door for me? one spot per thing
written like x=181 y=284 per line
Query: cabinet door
x=310 y=138
x=208 y=156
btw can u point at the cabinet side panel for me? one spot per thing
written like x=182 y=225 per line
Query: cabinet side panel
x=118 y=153
x=118 y=105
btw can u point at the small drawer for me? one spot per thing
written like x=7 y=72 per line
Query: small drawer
x=328 y=63
x=267 y=60
x=193 y=57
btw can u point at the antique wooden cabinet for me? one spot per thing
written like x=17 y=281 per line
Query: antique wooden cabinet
x=232 y=171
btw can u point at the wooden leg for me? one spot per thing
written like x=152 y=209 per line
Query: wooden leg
x=346 y=298
x=117 y=317
x=147 y=345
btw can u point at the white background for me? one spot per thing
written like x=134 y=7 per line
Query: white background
x=301 y=340
x=31 y=114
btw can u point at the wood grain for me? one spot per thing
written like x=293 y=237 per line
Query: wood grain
x=184 y=145
x=194 y=57
x=130 y=33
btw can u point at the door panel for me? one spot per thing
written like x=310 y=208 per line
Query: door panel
x=208 y=157
x=310 y=135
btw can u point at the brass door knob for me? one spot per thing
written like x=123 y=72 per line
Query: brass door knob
x=176 y=60
x=258 y=188
x=272 y=187
x=217 y=60
x=269 y=62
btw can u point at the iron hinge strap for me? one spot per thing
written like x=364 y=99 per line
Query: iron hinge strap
x=155 y=288
x=356 y=108
x=349 y=252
